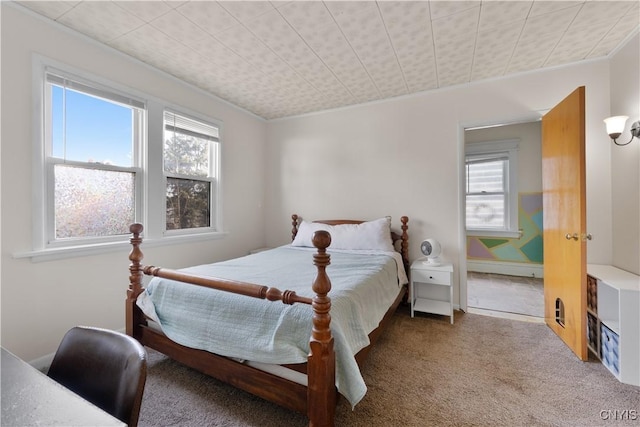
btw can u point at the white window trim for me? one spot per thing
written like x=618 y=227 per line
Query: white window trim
x=46 y=240
x=510 y=147
x=50 y=241
x=51 y=254
x=215 y=212
x=154 y=227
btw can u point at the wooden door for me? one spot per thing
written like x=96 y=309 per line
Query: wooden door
x=564 y=216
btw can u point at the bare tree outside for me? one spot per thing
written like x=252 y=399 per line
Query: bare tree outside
x=187 y=203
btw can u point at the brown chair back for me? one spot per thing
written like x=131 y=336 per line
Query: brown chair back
x=107 y=368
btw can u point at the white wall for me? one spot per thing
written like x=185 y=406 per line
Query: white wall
x=41 y=301
x=403 y=156
x=625 y=161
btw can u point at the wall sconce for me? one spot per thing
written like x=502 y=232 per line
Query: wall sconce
x=615 y=126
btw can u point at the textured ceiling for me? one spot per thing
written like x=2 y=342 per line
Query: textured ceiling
x=284 y=58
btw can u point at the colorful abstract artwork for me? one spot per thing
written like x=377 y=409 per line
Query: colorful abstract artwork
x=526 y=249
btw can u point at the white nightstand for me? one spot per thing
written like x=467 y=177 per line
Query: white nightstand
x=431 y=289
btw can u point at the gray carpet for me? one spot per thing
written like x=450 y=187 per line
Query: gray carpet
x=481 y=371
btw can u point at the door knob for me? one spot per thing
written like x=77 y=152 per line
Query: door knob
x=570 y=236
x=587 y=236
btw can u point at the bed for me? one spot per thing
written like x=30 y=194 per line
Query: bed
x=310 y=351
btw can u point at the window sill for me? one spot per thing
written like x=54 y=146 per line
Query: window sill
x=51 y=254
x=495 y=233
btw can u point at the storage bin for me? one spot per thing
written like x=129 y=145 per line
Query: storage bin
x=610 y=349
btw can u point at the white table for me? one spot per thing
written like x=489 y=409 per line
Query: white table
x=431 y=288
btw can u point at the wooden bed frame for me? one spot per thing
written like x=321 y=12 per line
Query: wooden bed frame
x=319 y=398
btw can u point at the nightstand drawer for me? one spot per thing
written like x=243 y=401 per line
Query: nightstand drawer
x=433 y=277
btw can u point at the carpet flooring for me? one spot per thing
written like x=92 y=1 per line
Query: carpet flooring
x=481 y=371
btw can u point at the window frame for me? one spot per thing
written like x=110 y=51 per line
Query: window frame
x=51 y=240
x=88 y=87
x=212 y=176
x=498 y=150
x=150 y=193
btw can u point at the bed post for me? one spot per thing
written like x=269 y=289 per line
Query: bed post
x=321 y=372
x=294 y=223
x=405 y=242
x=133 y=314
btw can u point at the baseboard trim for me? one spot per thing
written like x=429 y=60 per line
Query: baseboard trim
x=508 y=268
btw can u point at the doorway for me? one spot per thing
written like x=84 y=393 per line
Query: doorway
x=505 y=269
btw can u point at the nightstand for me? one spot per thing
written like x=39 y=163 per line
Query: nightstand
x=431 y=289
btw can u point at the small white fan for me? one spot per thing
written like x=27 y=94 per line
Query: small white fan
x=431 y=249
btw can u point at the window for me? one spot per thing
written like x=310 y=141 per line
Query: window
x=107 y=156
x=92 y=137
x=190 y=154
x=491 y=188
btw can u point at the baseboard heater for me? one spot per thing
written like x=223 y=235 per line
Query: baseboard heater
x=508 y=268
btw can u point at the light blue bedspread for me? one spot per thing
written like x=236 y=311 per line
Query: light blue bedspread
x=363 y=288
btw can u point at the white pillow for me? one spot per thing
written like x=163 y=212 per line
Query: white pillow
x=370 y=235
